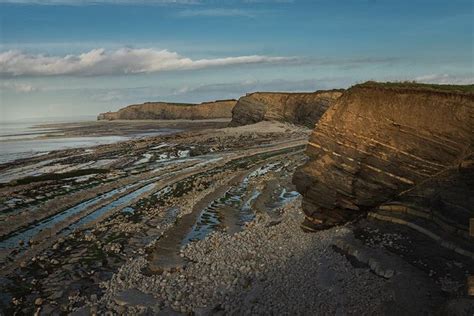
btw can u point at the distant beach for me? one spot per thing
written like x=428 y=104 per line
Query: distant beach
x=32 y=137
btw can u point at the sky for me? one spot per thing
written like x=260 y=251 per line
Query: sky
x=63 y=58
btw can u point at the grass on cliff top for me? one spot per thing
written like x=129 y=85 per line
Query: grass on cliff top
x=184 y=104
x=420 y=86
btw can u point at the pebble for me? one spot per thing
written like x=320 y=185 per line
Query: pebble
x=249 y=273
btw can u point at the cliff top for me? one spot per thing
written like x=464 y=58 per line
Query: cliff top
x=182 y=103
x=415 y=86
x=295 y=93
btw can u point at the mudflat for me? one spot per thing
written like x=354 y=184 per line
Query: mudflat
x=128 y=127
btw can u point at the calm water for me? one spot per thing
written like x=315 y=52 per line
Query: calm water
x=17 y=138
x=20 y=129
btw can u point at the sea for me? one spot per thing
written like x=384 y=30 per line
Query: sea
x=24 y=138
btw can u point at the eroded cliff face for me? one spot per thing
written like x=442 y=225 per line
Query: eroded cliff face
x=381 y=143
x=297 y=108
x=172 y=111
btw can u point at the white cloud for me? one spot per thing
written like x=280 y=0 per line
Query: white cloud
x=98 y=62
x=446 y=79
x=17 y=87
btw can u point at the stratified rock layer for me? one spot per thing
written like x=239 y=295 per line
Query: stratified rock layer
x=297 y=108
x=172 y=111
x=379 y=140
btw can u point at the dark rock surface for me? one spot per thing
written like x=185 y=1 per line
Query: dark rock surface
x=382 y=142
x=297 y=108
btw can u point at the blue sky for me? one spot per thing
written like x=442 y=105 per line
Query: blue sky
x=73 y=57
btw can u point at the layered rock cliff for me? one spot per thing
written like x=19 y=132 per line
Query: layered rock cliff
x=297 y=108
x=378 y=143
x=172 y=111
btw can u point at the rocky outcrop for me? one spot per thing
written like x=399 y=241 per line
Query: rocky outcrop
x=410 y=143
x=172 y=111
x=297 y=108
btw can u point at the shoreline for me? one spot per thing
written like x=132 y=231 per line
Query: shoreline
x=180 y=169
x=77 y=135
x=164 y=211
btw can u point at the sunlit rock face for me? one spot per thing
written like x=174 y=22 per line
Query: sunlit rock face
x=172 y=111
x=297 y=108
x=379 y=140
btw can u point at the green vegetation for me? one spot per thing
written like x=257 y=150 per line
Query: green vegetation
x=420 y=86
x=183 y=104
x=95 y=254
x=115 y=236
x=168 y=103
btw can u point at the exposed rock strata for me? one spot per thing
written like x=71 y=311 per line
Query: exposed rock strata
x=377 y=142
x=172 y=111
x=297 y=108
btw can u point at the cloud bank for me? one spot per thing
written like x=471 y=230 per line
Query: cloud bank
x=17 y=87
x=446 y=79
x=99 y=62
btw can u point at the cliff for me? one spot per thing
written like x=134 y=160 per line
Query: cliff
x=297 y=108
x=172 y=111
x=409 y=144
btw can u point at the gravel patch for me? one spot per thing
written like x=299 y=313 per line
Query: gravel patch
x=265 y=269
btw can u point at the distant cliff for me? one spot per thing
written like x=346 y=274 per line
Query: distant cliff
x=385 y=142
x=172 y=111
x=297 y=108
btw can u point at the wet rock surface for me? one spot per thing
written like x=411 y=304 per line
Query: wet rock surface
x=160 y=181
